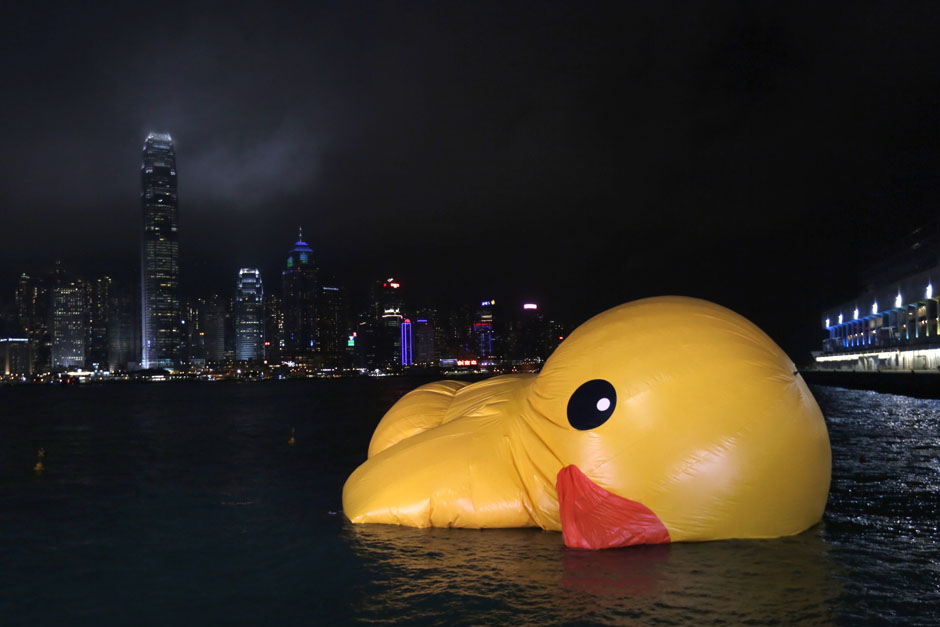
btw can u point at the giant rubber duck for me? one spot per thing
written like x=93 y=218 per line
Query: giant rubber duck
x=662 y=420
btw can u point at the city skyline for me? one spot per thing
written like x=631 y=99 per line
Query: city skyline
x=64 y=322
x=578 y=156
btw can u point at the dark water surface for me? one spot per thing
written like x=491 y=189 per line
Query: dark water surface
x=184 y=504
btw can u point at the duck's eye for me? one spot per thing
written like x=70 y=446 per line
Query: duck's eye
x=591 y=404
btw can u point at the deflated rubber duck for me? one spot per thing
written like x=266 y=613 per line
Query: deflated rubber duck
x=662 y=420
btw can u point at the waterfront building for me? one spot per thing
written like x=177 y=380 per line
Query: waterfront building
x=894 y=324
x=34 y=311
x=249 y=316
x=159 y=254
x=299 y=294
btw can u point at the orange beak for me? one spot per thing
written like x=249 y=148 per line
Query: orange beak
x=593 y=518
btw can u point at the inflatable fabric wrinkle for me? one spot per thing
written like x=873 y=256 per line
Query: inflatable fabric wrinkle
x=527 y=498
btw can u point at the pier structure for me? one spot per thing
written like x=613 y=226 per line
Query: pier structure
x=895 y=324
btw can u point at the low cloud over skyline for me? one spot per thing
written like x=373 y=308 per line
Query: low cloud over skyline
x=586 y=153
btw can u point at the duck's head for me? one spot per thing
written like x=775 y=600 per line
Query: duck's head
x=677 y=419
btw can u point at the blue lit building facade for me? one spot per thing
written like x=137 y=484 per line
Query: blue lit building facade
x=249 y=316
x=895 y=323
x=159 y=255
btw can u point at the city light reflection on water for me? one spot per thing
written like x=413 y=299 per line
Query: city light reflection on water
x=185 y=503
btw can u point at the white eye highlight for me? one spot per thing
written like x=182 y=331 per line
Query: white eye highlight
x=603 y=404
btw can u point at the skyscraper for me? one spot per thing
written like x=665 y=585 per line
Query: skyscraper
x=300 y=293
x=424 y=350
x=159 y=255
x=69 y=321
x=213 y=314
x=387 y=309
x=34 y=311
x=124 y=326
x=483 y=329
x=334 y=325
x=97 y=297
x=273 y=328
x=249 y=316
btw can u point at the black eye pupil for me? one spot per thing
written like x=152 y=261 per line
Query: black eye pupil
x=591 y=404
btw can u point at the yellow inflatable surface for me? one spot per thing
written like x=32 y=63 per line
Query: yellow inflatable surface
x=662 y=420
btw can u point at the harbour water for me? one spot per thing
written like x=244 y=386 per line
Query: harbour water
x=185 y=504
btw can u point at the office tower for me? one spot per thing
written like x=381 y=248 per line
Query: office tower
x=454 y=337
x=249 y=316
x=159 y=255
x=229 y=304
x=483 y=336
x=97 y=295
x=14 y=356
x=9 y=319
x=124 y=327
x=212 y=322
x=192 y=345
x=273 y=328
x=530 y=335
x=69 y=321
x=334 y=325
x=365 y=346
x=424 y=331
x=387 y=313
x=34 y=311
x=299 y=305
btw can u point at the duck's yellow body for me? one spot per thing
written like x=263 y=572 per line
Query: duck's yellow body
x=662 y=420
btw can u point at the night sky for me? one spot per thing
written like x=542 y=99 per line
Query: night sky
x=582 y=154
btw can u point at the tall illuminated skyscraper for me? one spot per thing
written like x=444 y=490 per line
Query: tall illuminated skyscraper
x=249 y=316
x=159 y=255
